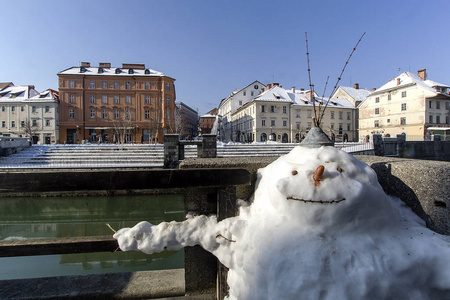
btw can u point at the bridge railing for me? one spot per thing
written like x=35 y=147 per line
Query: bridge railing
x=206 y=191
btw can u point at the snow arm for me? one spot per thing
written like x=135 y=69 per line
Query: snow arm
x=150 y=238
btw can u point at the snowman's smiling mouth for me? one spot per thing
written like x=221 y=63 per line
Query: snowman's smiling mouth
x=316 y=201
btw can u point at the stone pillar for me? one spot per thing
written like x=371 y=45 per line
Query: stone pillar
x=437 y=143
x=209 y=146
x=378 y=147
x=171 y=151
x=401 y=145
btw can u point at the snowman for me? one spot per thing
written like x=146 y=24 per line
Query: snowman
x=319 y=226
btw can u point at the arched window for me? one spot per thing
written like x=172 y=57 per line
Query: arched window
x=130 y=71
x=147 y=71
x=263 y=137
x=273 y=137
x=284 y=138
x=118 y=71
x=100 y=70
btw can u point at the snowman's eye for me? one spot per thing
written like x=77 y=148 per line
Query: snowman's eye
x=294 y=172
x=339 y=169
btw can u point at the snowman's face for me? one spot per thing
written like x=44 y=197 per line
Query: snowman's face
x=308 y=182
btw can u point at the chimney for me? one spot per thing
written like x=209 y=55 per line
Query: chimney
x=398 y=81
x=269 y=86
x=262 y=90
x=293 y=89
x=422 y=73
x=85 y=64
x=104 y=65
x=356 y=86
x=374 y=89
x=308 y=95
x=302 y=89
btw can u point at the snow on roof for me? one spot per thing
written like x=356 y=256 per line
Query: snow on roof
x=17 y=93
x=279 y=94
x=110 y=71
x=46 y=95
x=208 y=116
x=357 y=94
x=408 y=78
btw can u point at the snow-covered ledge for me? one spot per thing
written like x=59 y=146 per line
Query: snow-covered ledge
x=421 y=184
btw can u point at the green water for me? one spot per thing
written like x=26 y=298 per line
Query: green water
x=44 y=217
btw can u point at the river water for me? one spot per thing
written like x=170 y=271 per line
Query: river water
x=44 y=217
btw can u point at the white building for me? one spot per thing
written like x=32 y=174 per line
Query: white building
x=287 y=115
x=231 y=104
x=408 y=104
x=26 y=112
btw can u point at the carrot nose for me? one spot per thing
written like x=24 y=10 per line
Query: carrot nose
x=318 y=175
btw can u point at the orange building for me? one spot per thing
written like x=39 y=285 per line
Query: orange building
x=207 y=121
x=107 y=104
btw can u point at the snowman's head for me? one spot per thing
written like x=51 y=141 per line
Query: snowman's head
x=321 y=185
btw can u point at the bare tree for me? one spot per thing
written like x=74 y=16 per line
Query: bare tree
x=30 y=130
x=124 y=124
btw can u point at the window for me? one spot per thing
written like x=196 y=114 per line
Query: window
x=284 y=123
x=272 y=123
x=309 y=113
x=104 y=99
x=92 y=113
x=404 y=94
x=240 y=102
x=71 y=84
x=22 y=108
x=297 y=125
x=47 y=123
x=116 y=114
x=438 y=104
x=447 y=120
x=104 y=86
x=3 y=108
x=116 y=99
x=168 y=114
x=13 y=123
x=34 y=123
x=13 y=108
x=71 y=99
x=297 y=113
x=447 y=105
x=33 y=109
x=22 y=123
x=92 y=85
x=127 y=115
x=341 y=115
x=332 y=126
x=104 y=114
x=168 y=100
x=430 y=105
x=389 y=97
x=92 y=99
x=127 y=85
x=438 y=119
x=147 y=114
x=252 y=93
x=388 y=121
x=47 y=109
x=349 y=115
x=403 y=106
x=71 y=113
x=263 y=122
x=168 y=86
x=348 y=126
x=284 y=109
x=309 y=126
x=377 y=111
x=3 y=123
x=127 y=99
x=340 y=128
x=377 y=99
x=273 y=108
x=376 y=123
x=147 y=99
x=332 y=114
x=263 y=108
x=402 y=121
x=430 y=119
x=116 y=85
x=147 y=85
x=245 y=93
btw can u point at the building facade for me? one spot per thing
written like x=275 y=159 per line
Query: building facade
x=282 y=115
x=408 y=104
x=231 y=104
x=187 y=121
x=208 y=120
x=106 y=104
x=27 y=113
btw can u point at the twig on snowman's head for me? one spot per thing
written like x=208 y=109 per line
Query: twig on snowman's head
x=221 y=236
x=109 y=226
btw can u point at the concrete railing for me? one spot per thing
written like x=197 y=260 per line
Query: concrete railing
x=174 y=148
x=436 y=149
x=10 y=145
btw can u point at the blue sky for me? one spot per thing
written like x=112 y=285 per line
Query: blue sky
x=213 y=47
